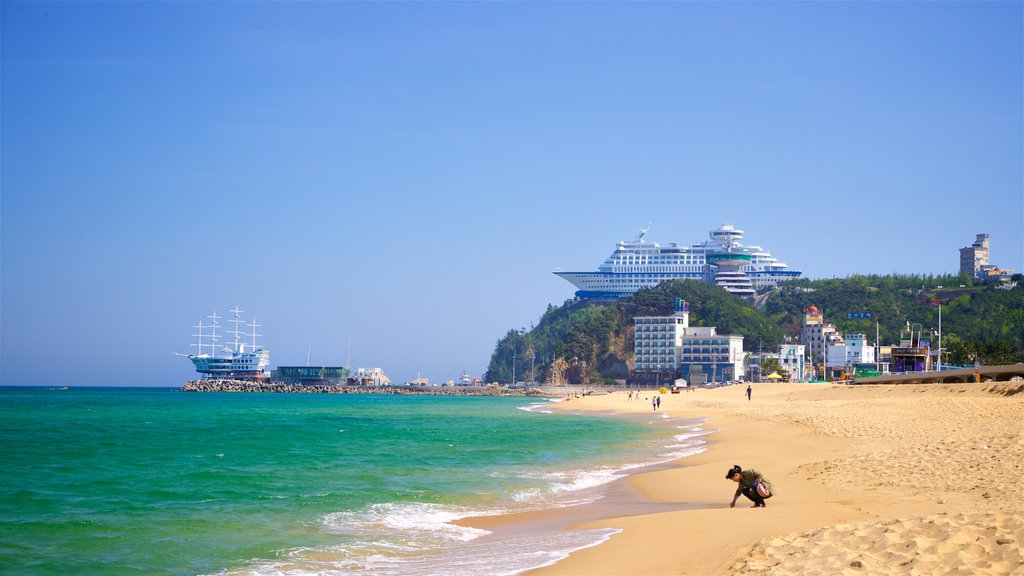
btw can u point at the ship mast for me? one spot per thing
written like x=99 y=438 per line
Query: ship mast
x=214 y=338
x=199 y=336
x=254 y=326
x=236 y=321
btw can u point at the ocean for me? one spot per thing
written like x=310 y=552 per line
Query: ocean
x=143 y=481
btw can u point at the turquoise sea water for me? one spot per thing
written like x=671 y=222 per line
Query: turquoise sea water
x=157 y=481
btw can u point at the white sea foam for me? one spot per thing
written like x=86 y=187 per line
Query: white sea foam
x=538 y=408
x=569 y=488
x=505 y=556
x=414 y=519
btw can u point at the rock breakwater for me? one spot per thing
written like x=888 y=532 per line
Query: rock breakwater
x=285 y=387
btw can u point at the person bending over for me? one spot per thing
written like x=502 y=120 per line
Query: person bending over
x=751 y=484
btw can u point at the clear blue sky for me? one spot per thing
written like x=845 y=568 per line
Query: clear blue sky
x=407 y=175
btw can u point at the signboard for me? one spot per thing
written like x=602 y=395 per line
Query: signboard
x=853 y=315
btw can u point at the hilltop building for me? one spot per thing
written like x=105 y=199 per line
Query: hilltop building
x=721 y=260
x=667 y=347
x=974 y=260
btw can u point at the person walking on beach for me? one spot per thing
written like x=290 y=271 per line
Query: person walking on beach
x=751 y=484
x=748 y=392
x=654 y=403
x=658 y=398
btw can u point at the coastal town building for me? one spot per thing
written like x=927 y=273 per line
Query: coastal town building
x=913 y=354
x=853 y=349
x=369 y=377
x=311 y=375
x=667 y=347
x=974 y=258
x=718 y=357
x=792 y=359
x=816 y=335
x=656 y=340
x=721 y=260
x=974 y=261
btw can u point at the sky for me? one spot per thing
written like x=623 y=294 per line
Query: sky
x=394 y=183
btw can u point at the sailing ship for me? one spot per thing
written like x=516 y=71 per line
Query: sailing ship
x=240 y=361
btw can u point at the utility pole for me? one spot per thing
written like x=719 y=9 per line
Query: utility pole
x=824 y=351
x=878 y=349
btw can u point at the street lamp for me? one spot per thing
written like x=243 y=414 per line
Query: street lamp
x=824 y=352
x=914 y=342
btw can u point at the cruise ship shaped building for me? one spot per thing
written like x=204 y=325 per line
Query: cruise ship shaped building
x=721 y=260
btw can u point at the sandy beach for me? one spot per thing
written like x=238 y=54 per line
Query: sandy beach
x=909 y=479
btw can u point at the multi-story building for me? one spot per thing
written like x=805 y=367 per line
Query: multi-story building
x=816 y=335
x=655 y=342
x=792 y=359
x=974 y=258
x=706 y=355
x=974 y=261
x=854 y=349
x=667 y=347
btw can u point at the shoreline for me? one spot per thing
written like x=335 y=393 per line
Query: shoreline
x=870 y=479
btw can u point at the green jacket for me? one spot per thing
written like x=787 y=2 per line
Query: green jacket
x=747 y=479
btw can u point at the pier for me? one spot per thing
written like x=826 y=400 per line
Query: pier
x=1004 y=373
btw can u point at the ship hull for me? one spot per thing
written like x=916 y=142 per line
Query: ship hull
x=638 y=264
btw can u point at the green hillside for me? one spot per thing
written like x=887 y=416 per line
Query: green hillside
x=592 y=342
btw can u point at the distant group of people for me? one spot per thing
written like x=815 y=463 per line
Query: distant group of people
x=655 y=400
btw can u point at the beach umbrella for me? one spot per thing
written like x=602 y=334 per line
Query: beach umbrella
x=774 y=376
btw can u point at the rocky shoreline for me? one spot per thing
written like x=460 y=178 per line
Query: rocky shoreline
x=283 y=387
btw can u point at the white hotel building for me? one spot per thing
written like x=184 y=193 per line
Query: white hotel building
x=667 y=347
x=854 y=349
x=792 y=360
